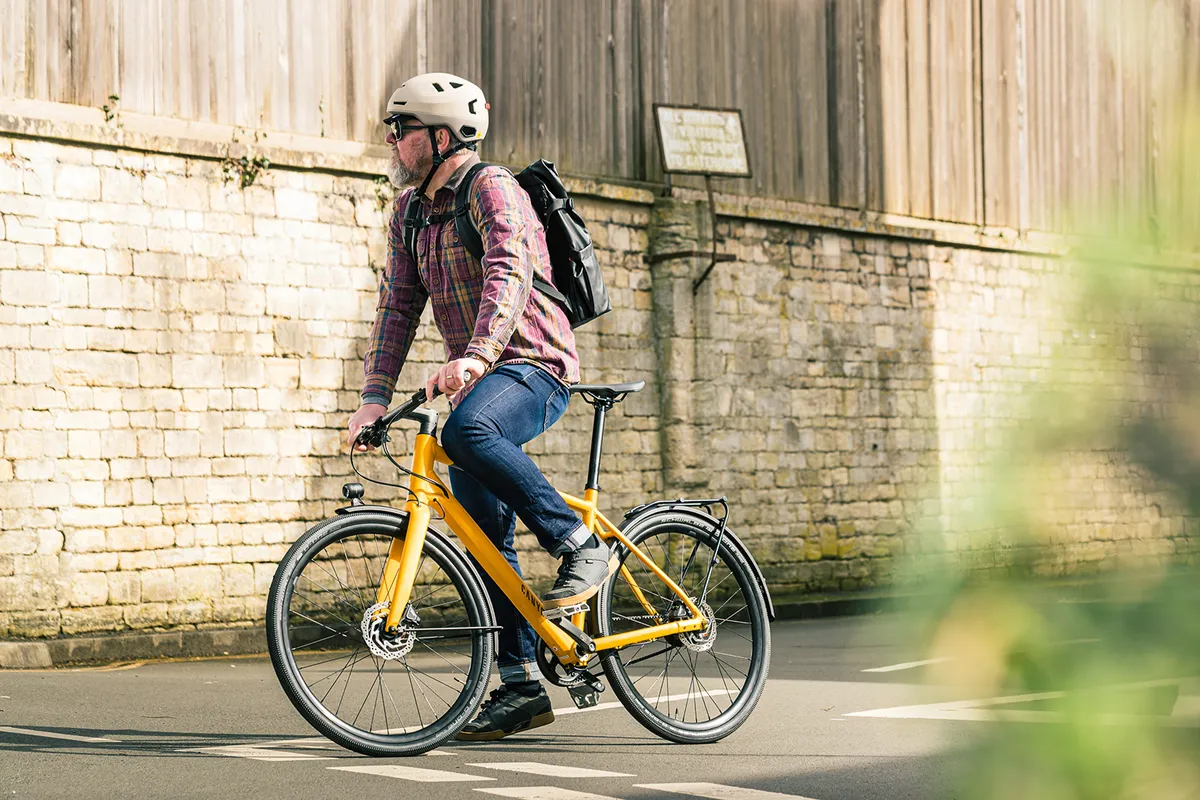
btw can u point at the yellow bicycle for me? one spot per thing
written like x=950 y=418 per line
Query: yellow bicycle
x=383 y=637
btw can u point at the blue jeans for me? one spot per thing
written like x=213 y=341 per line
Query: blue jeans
x=496 y=482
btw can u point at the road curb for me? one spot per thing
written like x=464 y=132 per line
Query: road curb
x=25 y=655
x=835 y=605
x=133 y=647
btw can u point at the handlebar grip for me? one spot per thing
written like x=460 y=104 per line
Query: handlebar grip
x=372 y=435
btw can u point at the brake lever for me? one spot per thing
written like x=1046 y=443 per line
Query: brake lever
x=375 y=434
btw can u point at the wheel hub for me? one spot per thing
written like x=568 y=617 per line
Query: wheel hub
x=700 y=640
x=388 y=645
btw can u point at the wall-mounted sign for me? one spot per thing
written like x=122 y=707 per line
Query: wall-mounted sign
x=702 y=141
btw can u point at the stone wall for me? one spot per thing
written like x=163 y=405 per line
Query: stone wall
x=179 y=356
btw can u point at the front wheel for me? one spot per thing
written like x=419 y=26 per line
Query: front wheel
x=377 y=692
x=696 y=687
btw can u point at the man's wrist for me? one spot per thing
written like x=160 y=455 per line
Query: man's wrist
x=476 y=352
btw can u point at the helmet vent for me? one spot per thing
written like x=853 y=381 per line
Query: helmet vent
x=438 y=86
x=467 y=130
x=471 y=106
x=454 y=85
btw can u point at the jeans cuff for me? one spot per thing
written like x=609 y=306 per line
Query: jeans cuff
x=522 y=671
x=572 y=542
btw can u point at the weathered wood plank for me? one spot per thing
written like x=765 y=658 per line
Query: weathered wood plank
x=811 y=121
x=920 y=142
x=893 y=104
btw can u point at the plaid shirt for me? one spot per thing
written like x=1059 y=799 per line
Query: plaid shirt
x=484 y=310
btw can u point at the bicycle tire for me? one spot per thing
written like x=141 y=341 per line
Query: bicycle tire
x=645 y=700
x=328 y=613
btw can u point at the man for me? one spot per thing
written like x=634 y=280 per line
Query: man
x=510 y=358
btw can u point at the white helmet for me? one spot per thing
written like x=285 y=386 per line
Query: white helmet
x=439 y=98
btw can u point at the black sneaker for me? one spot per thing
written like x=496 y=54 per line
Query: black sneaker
x=581 y=574
x=506 y=712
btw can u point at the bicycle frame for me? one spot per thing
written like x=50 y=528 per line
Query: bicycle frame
x=404 y=559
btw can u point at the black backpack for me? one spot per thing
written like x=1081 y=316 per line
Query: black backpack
x=581 y=291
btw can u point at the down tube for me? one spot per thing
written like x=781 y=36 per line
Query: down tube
x=495 y=565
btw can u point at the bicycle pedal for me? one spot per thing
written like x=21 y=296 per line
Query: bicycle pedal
x=565 y=611
x=584 y=696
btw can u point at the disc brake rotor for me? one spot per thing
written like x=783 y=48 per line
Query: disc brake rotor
x=703 y=639
x=390 y=646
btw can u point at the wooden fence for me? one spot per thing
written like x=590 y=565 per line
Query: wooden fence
x=999 y=112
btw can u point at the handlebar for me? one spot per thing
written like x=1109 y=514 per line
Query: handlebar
x=372 y=435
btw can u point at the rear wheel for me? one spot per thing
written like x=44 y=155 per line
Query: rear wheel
x=701 y=686
x=376 y=692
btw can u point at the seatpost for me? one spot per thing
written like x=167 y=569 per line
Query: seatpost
x=597 y=437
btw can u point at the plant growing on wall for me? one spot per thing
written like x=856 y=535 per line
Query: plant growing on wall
x=383 y=192
x=110 y=109
x=245 y=170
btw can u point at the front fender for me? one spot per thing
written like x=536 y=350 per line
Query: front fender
x=363 y=508
x=634 y=521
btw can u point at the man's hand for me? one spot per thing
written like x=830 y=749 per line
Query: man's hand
x=451 y=377
x=363 y=417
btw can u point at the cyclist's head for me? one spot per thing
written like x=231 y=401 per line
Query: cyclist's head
x=439 y=99
x=451 y=111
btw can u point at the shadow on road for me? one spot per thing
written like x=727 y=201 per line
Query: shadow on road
x=127 y=743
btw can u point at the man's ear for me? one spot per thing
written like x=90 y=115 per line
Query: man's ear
x=444 y=139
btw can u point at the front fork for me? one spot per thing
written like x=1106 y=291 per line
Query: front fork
x=404 y=557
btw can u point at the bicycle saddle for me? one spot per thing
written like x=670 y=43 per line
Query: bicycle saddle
x=608 y=391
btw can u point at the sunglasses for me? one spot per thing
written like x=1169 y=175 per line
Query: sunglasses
x=400 y=131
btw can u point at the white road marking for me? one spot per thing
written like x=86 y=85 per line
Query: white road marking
x=558 y=712
x=716 y=791
x=984 y=710
x=907 y=665
x=256 y=753
x=48 y=735
x=928 y=661
x=307 y=743
x=415 y=774
x=551 y=770
x=545 y=793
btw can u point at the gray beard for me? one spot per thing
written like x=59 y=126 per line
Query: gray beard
x=401 y=176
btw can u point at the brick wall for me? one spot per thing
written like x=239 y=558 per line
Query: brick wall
x=179 y=356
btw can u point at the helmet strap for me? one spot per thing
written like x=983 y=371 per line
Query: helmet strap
x=439 y=158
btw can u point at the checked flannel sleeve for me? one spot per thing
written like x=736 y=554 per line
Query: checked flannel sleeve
x=507 y=223
x=402 y=298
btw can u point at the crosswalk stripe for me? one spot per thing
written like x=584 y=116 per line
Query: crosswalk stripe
x=545 y=793
x=52 y=735
x=907 y=665
x=415 y=774
x=256 y=753
x=551 y=770
x=716 y=791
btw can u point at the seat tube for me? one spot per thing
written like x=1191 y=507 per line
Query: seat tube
x=593 y=476
x=410 y=559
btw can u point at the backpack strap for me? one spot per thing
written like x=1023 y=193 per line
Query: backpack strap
x=462 y=213
x=471 y=238
x=413 y=223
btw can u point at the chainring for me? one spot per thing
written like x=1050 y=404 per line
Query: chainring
x=554 y=671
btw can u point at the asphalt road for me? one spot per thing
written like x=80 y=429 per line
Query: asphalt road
x=223 y=728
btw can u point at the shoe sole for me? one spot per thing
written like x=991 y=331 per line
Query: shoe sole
x=490 y=736
x=614 y=563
